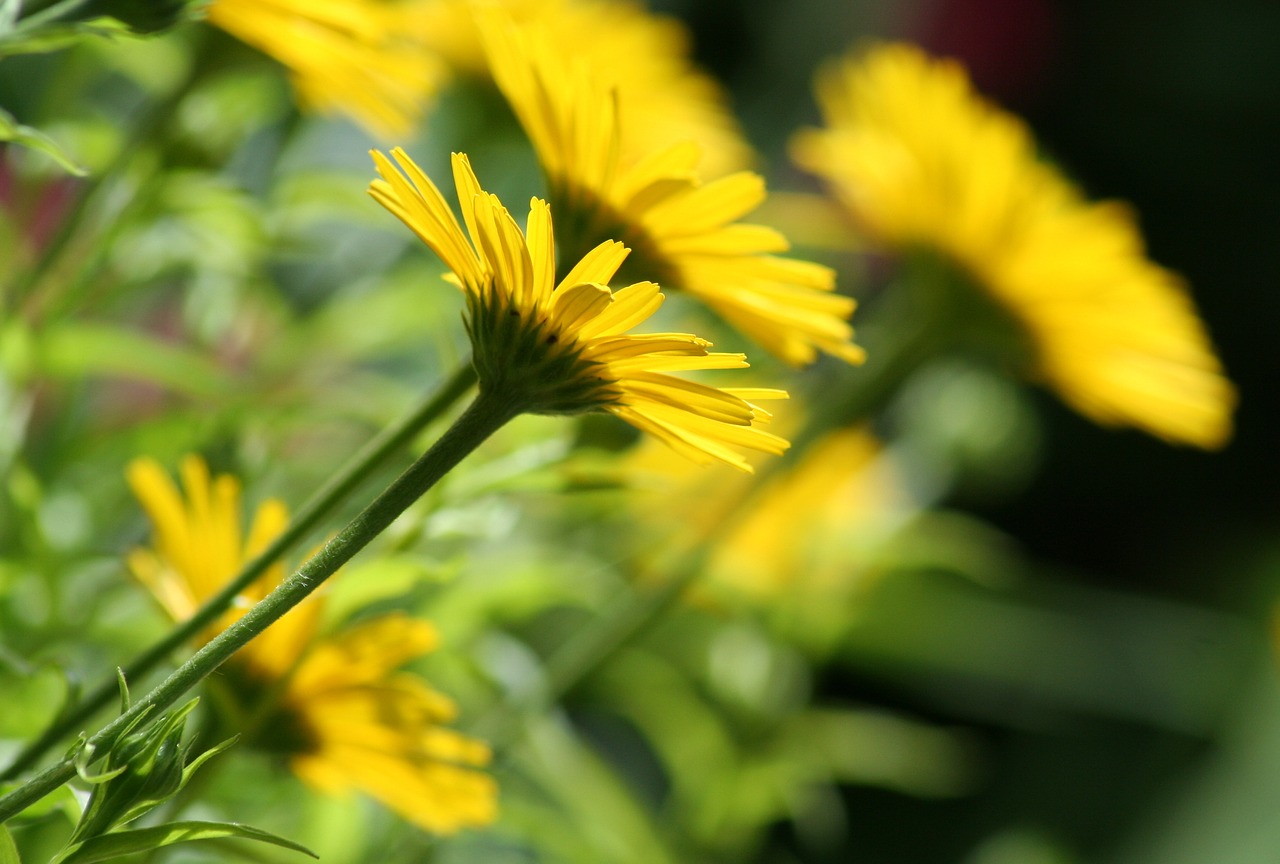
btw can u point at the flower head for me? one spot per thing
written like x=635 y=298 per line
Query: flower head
x=921 y=160
x=804 y=534
x=343 y=716
x=645 y=56
x=565 y=347
x=350 y=56
x=683 y=230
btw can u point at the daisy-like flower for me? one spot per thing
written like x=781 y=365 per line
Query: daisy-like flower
x=807 y=534
x=565 y=348
x=336 y=708
x=685 y=232
x=347 y=56
x=921 y=160
x=645 y=56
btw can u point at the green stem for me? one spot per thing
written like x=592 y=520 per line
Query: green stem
x=338 y=487
x=488 y=413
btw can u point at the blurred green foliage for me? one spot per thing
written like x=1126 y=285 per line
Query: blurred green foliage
x=1063 y=657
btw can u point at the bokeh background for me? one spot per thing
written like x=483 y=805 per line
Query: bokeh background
x=1117 y=696
x=1072 y=662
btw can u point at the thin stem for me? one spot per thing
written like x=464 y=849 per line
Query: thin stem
x=338 y=487
x=488 y=413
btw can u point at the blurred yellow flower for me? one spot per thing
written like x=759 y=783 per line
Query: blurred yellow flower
x=921 y=160
x=348 y=56
x=684 y=232
x=806 y=535
x=341 y=714
x=645 y=56
x=565 y=348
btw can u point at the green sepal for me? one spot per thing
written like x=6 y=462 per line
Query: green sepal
x=144 y=768
x=125 y=702
x=118 y=843
x=204 y=757
x=520 y=356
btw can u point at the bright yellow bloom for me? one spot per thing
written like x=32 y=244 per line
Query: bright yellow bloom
x=807 y=534
x=565 y=348
x=645 y=56
x=684 y=231
x=921 y=160
x=349 y=56
x=343 y=716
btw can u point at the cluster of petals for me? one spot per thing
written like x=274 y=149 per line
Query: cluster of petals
x=502 y=266
x=805 y=534
x=920 y=159
x=685 y=230
x=345 y=718
x=646 y=56
x=346 y=56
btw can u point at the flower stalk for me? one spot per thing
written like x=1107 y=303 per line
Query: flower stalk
x=491 y=410
x=320 y=505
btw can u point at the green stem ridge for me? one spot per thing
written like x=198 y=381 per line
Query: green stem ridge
x=335 y=490
x=488 y=413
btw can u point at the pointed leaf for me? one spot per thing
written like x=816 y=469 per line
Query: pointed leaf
x=117 y=843
x=27 y=136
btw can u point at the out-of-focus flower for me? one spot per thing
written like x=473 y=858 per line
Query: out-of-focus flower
x=339 y=712
x=922 y=161
x=645 y=56
x=356 y=57
x=566 y=347
x=683 y=231
x=807 y=534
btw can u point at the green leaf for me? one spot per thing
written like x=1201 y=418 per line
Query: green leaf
x=12 y=130
x=76 y=349
x=8 y=850
x=117 y=843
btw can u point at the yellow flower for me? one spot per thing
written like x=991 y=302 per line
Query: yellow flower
x=565 y=348
x=342 y=715
x=684 y=231
x=645 y=56
x=807 y=534
x=921 y=160
x=349 y=56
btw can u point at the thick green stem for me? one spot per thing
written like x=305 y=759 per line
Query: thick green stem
x=488 y=413
x=320 y=505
